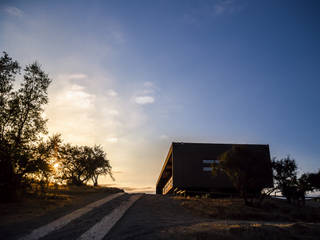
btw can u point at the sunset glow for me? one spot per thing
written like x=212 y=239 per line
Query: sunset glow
x=133 y=77
x=56 y=165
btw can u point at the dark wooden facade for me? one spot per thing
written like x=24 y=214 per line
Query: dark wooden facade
x=187 y=167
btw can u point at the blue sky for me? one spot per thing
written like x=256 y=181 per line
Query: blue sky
x=135 y=75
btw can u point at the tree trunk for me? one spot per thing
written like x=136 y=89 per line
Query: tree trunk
x=95 y=181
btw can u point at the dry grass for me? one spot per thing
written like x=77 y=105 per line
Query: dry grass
x=35 y=204
x=218 y=231
x=271 y=210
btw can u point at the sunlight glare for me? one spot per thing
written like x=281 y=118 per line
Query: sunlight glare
x=56 y=165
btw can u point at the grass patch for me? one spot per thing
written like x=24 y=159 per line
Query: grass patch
x=234 y=208
x=204 y=231
x=34 y=204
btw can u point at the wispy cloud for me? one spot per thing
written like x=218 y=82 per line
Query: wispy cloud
x=13 y=11
x=213 y=9
x=144 y=100
x=148 y=84
x=226 y=7
x=113 y=112
x=77 y=96
x=164 y=137
x=118 y=36
x=112 y=139
x=112 y=93
x=84 y=103
x=73 y=76
x=146 y=94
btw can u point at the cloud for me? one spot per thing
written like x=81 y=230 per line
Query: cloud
x=211 y=9
x=118 y=36
x=112 y=140
x=226 y=7
x=148 y=84
x=112 y=93
x=144 y=100
x=113 y=112
x=164 y=137
x=13 y=11
x=77 y=97
x=74 y=76
x=145 y=95
x=80 y=106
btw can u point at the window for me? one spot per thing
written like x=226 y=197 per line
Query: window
x=207 y=169
x=210 y=161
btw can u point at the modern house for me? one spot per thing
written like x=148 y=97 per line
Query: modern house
x=188 y=167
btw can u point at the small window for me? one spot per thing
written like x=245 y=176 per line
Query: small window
x=207 y=169
x=210 y=161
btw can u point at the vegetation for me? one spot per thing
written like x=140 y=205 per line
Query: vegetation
x=247 y=176
x=79 y=164
x=27 y=154
x=292 y=187
x=271 y=209
x=244 y=231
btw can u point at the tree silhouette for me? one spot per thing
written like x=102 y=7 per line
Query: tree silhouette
x=98 y=165
x=21 y=121
x=24 y=155
x=292 y=187
x=82 y=163
x=243 y=168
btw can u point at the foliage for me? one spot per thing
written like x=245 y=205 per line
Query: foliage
x=314 y=180
x=21 y=121
x=292 y=187
x=243 y=168
x=27 y=154
x=98 y=164
x=83 y=163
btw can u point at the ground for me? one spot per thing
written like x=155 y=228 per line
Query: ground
x=162 y=217
x=234 y=208
x=32 y=210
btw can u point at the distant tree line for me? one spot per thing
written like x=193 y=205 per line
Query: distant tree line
x=27 y=154
x=248 y=177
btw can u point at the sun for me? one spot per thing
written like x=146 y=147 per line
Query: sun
x=56 y=165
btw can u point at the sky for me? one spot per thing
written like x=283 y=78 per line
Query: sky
x=133 y=76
